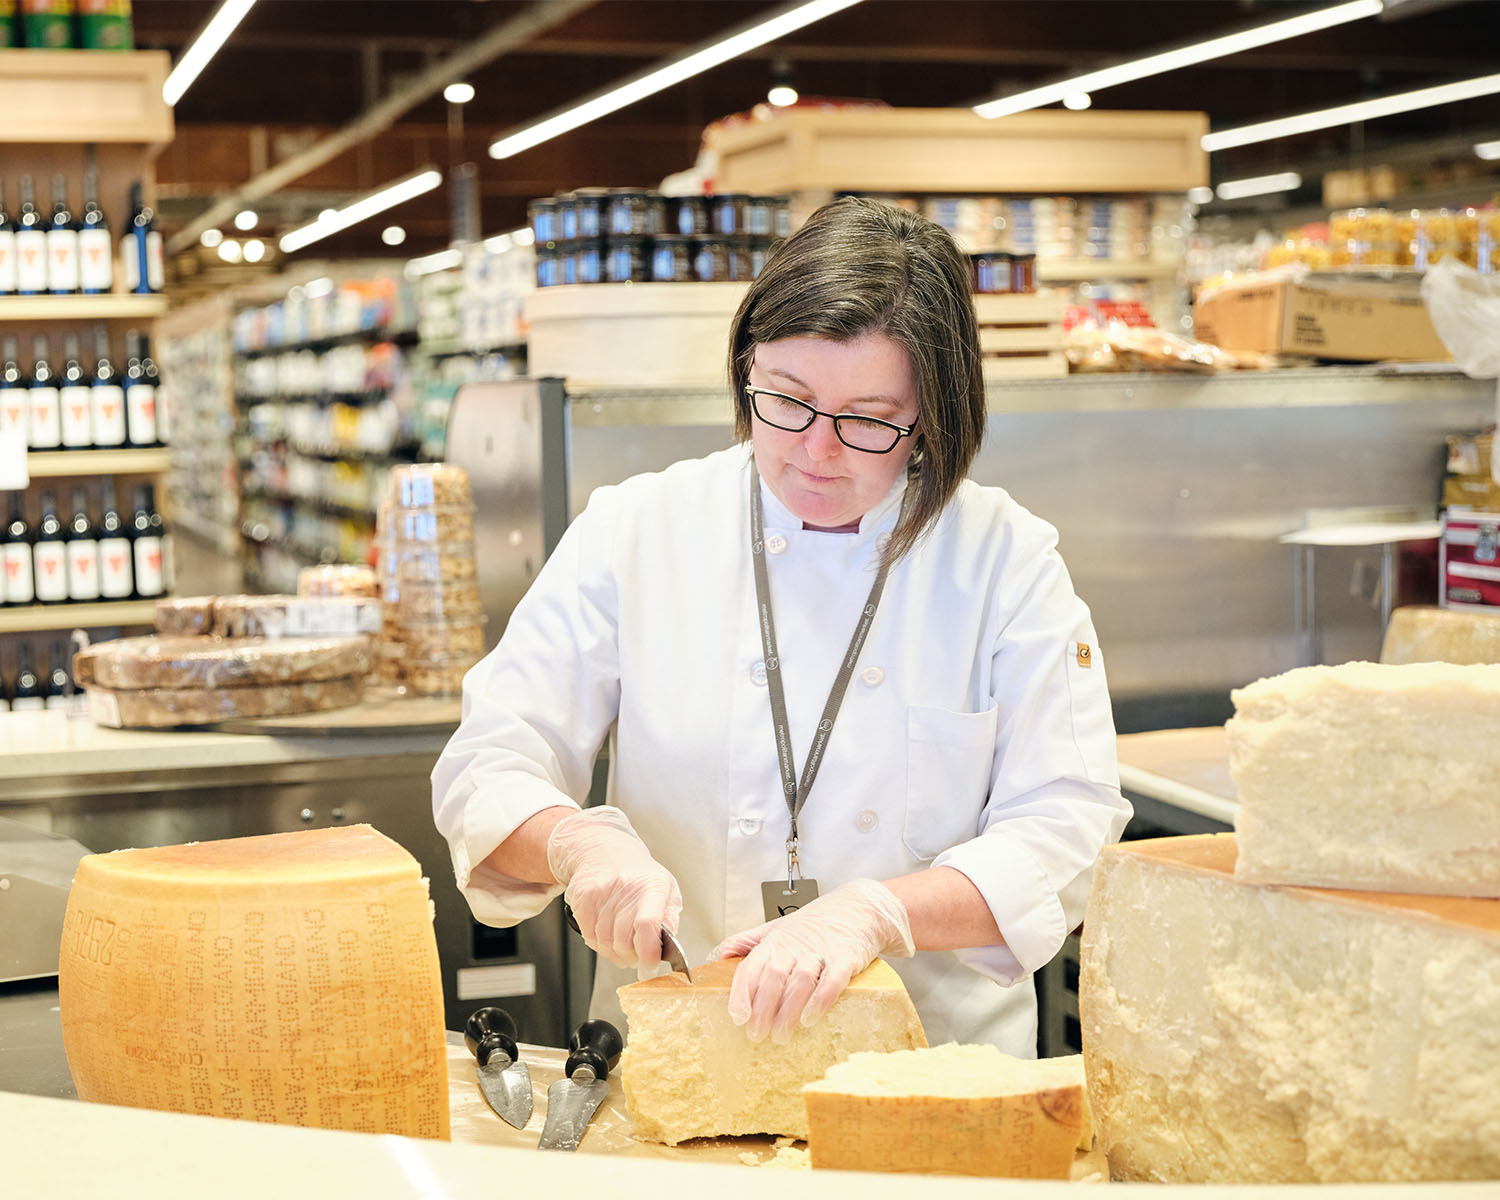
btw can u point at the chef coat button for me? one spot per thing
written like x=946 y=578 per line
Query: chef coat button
x=775 y=544
x=872 y=676
x=758 y=674
x=866 y=820
x=749 y=826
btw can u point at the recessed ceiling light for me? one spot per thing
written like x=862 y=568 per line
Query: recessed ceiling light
x=458 y=93
x=1077 y=101
x=230 y=250
x=211 y=237
x=245 y=220
x=393 y=235
x=782 y=96
x=255 y=250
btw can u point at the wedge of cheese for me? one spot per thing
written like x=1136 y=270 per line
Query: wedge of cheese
x=1370 y=775
x=291 y=978
x=1236 y=1033
x=1426 y=633
x=951 y=1110
x=689 y=1071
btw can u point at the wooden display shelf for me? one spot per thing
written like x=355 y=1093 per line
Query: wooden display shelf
x=126 y=307
x=78 y=96
x=940 y=150
x=39 y=617
x=52 y=464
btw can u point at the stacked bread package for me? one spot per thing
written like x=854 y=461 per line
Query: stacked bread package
x=433 y=628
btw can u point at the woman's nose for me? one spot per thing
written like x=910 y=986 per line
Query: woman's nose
x=822 y=438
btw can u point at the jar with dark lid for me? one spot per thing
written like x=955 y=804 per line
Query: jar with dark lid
x=726 y=213
x=738 y=250
x=626 y=261
x=760 y=216
x=567 y=217
x=635 y=214
x=711 y=261
x=548 y=269
x=990 y=271
x=1023 y=273
x=781 y=216
x=567 y=264
x=672 y=259
x=588 y=260
x=760 y=250
x=543 y=217
x=588 y=206
x=687 y=215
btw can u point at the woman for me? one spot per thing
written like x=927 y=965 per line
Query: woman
x=830 y=659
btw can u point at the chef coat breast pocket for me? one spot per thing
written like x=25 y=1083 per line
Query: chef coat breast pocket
x=948 y=758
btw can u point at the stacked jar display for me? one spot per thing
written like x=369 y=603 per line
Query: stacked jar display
x=432 y=626
x=601 y=235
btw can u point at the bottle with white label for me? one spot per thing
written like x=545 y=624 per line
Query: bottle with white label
x=75 y=402
x=107 y=396
x=49 y=556
x=140 y=392
x=62 y=242
x=116 y=568
x=96 y=268
x=31 y=244
x=19 y=573
x=7 y=247
x=59 y=685
x=28 y=693
x=141 y=248
x=148 y=536
x=14 y=407
x=44 y=423
x=83 y=552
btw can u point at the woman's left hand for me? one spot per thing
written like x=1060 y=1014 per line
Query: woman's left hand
x=796 y=966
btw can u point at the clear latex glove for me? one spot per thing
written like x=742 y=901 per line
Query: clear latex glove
x=796 y=966
x=621 y=897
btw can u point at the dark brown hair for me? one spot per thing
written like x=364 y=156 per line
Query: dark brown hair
x=860 y=267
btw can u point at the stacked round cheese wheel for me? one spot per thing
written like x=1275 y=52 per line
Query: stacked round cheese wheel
x=433 y=624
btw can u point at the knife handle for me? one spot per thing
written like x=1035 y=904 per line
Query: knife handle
x=595 y=1044
x=490 y=1029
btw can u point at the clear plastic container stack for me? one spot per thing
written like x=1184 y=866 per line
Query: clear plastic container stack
x=432 y=622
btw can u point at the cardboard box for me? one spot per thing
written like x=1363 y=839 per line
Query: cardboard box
x=1326 y=315
x=1478 y=492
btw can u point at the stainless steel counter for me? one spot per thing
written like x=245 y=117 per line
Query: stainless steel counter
x=32 y=1060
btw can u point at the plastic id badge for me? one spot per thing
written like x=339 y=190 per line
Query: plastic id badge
x=780 y=898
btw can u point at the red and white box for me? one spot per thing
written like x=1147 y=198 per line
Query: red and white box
x=1469 y=561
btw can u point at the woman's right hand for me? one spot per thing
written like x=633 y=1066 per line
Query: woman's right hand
x=621 y=897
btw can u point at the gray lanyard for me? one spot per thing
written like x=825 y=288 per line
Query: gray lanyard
x=796 y=791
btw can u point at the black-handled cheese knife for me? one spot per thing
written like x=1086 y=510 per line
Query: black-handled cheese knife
x=490 y=1035
x=593 y=1049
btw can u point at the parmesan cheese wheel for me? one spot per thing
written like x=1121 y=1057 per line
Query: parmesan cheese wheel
x=951 y=1110
x=162 y=707
x=689 y=1071
x=291 y=978
x=1235 y=1033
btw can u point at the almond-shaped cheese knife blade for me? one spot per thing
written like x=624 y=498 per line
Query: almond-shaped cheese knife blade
x=671 y=948
x=594 y=1048
x=490 y=1035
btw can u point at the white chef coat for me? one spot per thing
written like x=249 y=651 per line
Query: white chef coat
x=976 y=732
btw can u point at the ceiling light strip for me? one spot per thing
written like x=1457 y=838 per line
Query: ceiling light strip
x=361 y=209
x=1260 y=185
x=652 y=81
x=1487 y=150
x=1348 y=114
x=204 y=47
x=1183 y=56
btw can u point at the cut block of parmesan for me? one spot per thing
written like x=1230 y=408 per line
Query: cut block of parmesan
x=689 y=1071
x=1370 y=775
x=291 y=978
x=1236 y=1033
x=951 y=1110
x=1426 y=633
x=205 y=662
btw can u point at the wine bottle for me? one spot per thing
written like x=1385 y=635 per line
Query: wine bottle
x=15 y=409
x=50 y=555
x=62 y=242
x=44 y=427
x=116 y=570
x=140 y=392
x=142 y=251
x=20 y=587
x=95 y=248
x=31 y=244
x=74 y=400
x=7 y=247
x=55 y=691
x=107 y=396
x=147 y=535
x=83 y=552
x=28 y=693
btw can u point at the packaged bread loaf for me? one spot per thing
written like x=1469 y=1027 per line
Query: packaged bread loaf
x=185 y=616
x=187 y=662
x=162 y=707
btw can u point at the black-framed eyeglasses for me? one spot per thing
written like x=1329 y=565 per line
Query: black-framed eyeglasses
x=868 y=434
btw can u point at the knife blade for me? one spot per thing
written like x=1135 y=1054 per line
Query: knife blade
x=594 y=1048
x=504 y=1081
x=671 y=948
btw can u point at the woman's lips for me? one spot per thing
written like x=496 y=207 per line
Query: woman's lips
x=815 y=479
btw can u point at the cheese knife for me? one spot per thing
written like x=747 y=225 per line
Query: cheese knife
x=490 y=1035
x=671 y=948
x=593 y=1049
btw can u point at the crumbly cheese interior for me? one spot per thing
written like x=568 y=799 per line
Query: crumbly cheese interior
x=1370 y=775
x=688 y=1071
x=1237 y=1033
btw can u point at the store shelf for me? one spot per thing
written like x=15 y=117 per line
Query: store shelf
x=401 y=337
x=331 y=507
x=77 y=616
x=128 y=307
x=1088 y=270
x=52 y=464
x=75 y=96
